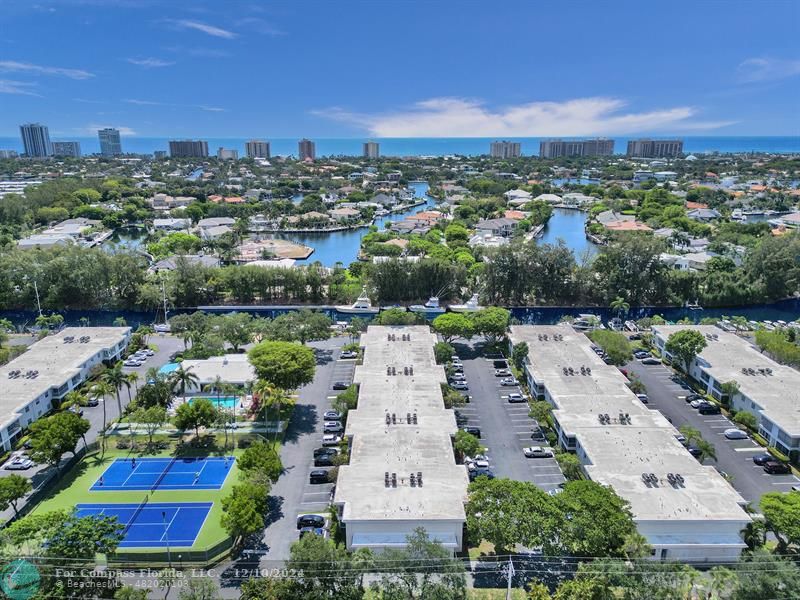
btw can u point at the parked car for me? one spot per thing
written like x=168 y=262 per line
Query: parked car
x=694 y=451
x=455 y=358
x=641 y=354
x=318 y=476
x=459 y=385
x=19 y=463
x=457 y=368
x=516 y=397
x=709 y=409
x=475 y=473
x=458 y=377
x=698 y=403
x=332 y=415
x=341 y=385
x=476 y=431
x=500 y=364
x=693 y=397
x=331 y=439
x=774 y=467
x=349 y=354
x=310 y=521
x=735 y=434
x=131 y=362
x=681 y=438
x=76 y=410
x=324 y=460
x=537 y=452
x=643 y=398
x=92 y=402
x=650 y=360
x=507 y=381
x=332 y=427
x=502 y=372
x=762 y=459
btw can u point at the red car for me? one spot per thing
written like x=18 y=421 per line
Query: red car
x=624 y=372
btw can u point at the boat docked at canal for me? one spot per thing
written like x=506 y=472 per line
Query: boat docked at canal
x=361 y=306
x=431 y=307
x=470 y=305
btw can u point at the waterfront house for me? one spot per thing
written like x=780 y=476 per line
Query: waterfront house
x=171 y=224
x=344 y=215
x=502 y=227
x=704 y=215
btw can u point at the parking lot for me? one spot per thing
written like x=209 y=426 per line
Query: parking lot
x=293 y=495
x=505 y=427
x=734 y=457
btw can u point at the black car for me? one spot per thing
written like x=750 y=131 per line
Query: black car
x=324 y=460
x=709 y=409
x=310 y=521
x=694 y=451
x=341 y=385
x=318 y=476
x=476 y=431
x=762 y=459
x=475 y=473
x=775 y=467
x=500 y=364
x=326 y=452
x=92 y=402
x=693 y=397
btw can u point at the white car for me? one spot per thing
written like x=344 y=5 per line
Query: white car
x=509 y=381
x=18 y=463
x=537 y=452
x=131 y=362
x=502 y=373
x=331 y=439
x=459 y=385
x=458 y=377
x=697 y=403
x=332 y=427
x=516 y=397
x=348 y=354
x=735 y=434
x=479 y=461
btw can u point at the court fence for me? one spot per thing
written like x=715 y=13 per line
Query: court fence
x=196 y=557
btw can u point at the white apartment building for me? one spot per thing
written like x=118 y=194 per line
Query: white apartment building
x=49 y=369
x=685 y=510
x=402 y=472
x=230 y=368
x=768 y=390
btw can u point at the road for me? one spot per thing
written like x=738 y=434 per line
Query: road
x=165 y=345
x=734 y=457
x=505 y=427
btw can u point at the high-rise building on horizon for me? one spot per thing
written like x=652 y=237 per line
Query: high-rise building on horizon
x=650 y=148
x=8 y=154
x=36 y=139
x=306 y=149
x=71 y=149
x=227 y=154
x=505 y=149
x=110 y=144
x=257 y=149
x=587 y=147
x=160 y=154
x=188 y=148
x=372 y=149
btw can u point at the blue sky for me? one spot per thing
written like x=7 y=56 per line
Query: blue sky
x=394 y=68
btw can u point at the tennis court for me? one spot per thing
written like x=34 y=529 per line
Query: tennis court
x=130 y=474
x=156 y=524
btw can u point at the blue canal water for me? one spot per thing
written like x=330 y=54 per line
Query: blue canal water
x=567 y=225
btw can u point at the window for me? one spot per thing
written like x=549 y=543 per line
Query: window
x=704 y=376
x=663 y=554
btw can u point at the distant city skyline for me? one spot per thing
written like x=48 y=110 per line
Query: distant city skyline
x=158 y=69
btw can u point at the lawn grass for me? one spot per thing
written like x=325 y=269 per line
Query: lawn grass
x=74 y=488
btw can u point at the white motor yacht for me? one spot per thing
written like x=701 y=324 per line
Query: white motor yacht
x=430 y=307
x=362 y=305
x=470 y=305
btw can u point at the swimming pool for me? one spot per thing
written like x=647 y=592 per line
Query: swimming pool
x=223 y=401
x=169 y=368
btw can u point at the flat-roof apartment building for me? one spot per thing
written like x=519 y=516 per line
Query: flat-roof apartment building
x=684 y=509
x=768 y=390
x=49 y=369
x=402 y=472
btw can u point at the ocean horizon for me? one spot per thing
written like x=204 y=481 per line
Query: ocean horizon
x=400 y=147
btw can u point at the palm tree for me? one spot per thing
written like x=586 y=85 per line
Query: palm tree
x=99 y=391
x=695 y=438
x=182 y=378
x=620 y=306
x=117 y=379
x=133 y=378
x=270 y=397
x=73 y=398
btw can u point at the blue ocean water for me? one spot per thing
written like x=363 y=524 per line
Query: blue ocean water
x=426 y=146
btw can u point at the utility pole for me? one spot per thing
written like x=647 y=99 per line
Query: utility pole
x=509 y=573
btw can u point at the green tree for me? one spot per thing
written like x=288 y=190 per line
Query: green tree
x=442 y=351
x=99 y=391
x=519 y=354
x=685 y=345
x=260 y=457
x=764 y=575
x=782 y=518
x=193 y=415
x=422 y=569
x=128 y=592
x=747 y=420
x=54 y=436
x=397 y=316
x=285 y=365
x=537 y=591
x=620 y=306
x=240 y=514
x=466 y=444
x=13 y=488
x=314 y=559
x=614 y=344
x=115 y=377
x=491 y=323
x=570 y=465
x=199 y=588
x=83 y=538
x=153 y=418
x=695 y=439
x=300 y=326
x=453 y=325
x=541 y=411
x=597 y=522
x=235 y=328
x=181 y=378
x=584 y=589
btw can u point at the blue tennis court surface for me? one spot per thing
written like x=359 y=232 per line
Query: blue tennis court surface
x=164 y=474
x=154 y=525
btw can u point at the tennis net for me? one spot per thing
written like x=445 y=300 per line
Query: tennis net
x=138 y=510
x=163 y=474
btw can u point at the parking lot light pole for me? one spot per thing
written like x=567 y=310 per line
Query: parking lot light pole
x=166 y=537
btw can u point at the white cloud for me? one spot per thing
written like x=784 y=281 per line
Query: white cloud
x=259 y=25
x=205 y=28
x=92 y=129
x=143 y=102
x=213 y=109
x=22 y=67
x=173 y=105
x=9 y=86
x=767 y=69
x=460 y=117
x=150 y=63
